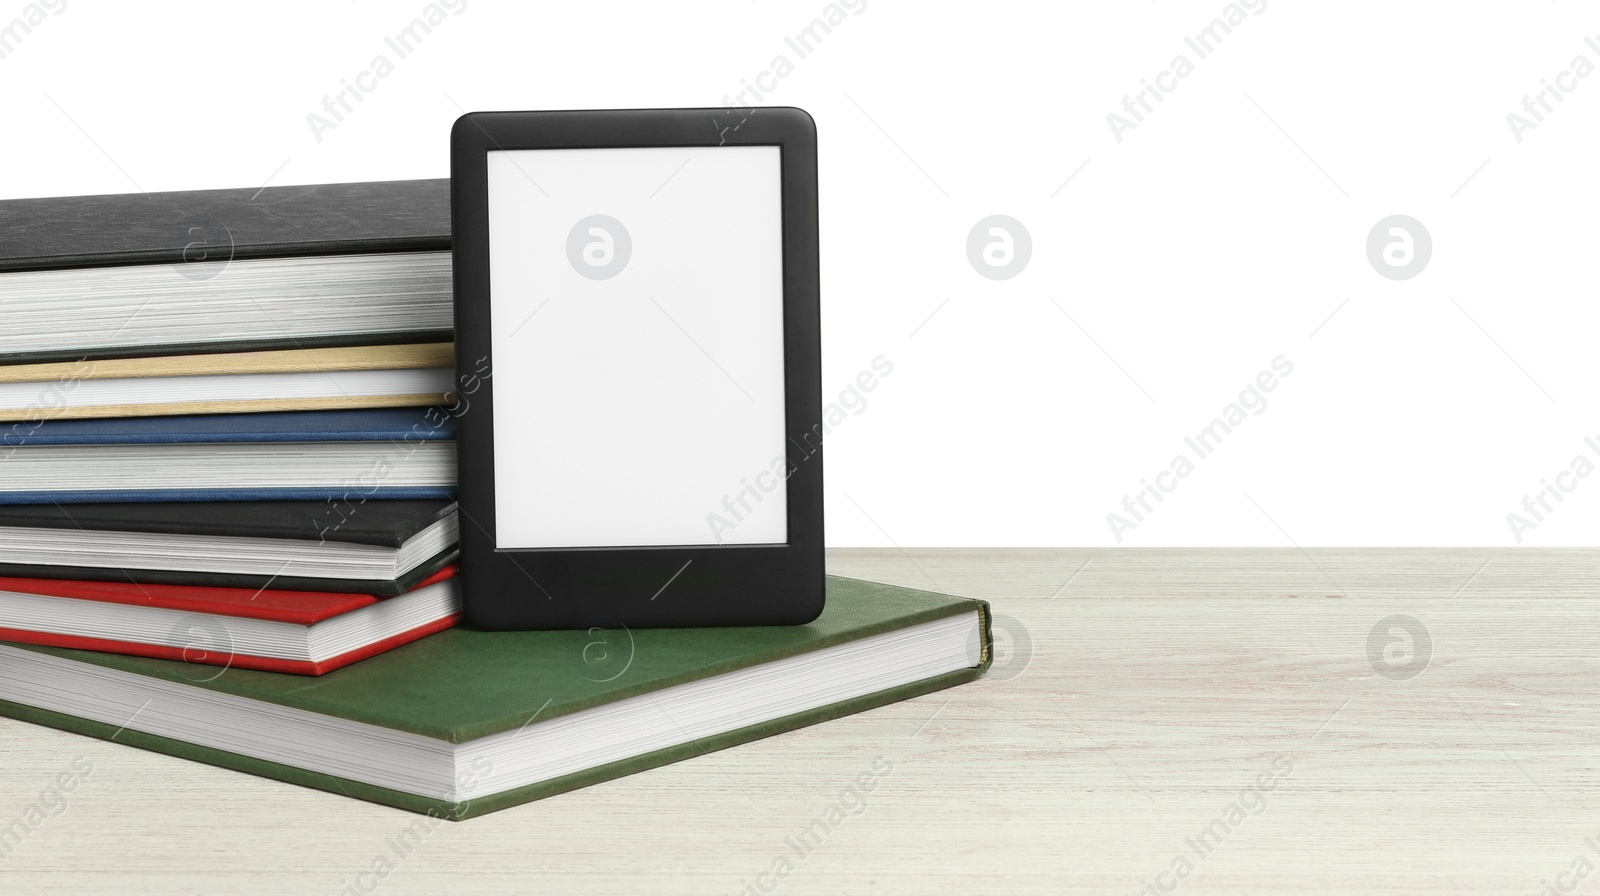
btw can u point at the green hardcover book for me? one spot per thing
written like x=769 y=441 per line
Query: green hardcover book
x=468 y=722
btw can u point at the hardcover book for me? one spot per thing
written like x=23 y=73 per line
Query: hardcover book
x=467 y=722
x=310 y=455
x=224 y=270
x=356 y=546
x=297 y=632
x=373 y=376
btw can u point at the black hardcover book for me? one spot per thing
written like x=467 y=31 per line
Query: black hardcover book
x=204 y=271
x=372 y=547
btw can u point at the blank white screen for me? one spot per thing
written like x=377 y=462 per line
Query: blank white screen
x=638 y=402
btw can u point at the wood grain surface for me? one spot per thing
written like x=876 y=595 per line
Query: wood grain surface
x=1137 y=696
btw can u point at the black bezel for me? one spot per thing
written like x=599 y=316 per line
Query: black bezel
x=717 y=585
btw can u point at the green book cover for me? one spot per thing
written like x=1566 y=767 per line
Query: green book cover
x=463 y=685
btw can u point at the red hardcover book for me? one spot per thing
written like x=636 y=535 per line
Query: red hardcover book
x=300 y=632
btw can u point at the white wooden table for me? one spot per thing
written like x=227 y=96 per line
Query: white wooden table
x=1139 y=692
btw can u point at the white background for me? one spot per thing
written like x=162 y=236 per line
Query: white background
x=1174 y=266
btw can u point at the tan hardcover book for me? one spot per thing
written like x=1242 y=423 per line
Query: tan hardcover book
x=372 y=376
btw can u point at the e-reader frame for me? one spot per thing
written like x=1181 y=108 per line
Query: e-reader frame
x=649 y=586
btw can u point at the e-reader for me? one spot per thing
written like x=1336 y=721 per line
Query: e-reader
x=639 y=411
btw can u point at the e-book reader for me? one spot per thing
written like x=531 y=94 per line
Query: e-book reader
x=637 y=313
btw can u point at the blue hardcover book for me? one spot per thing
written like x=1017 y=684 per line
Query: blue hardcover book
x=348 y=455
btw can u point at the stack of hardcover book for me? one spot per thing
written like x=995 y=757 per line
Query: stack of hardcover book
x=226 y=464
x=224 y=434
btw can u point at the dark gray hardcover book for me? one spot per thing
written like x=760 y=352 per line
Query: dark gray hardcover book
x=206 y=271
x=168 y=228
x=93 y=542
